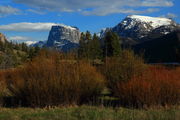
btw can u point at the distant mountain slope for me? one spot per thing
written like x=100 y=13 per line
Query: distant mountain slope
x=142 y=28
x=39 y=44
x=162 y=49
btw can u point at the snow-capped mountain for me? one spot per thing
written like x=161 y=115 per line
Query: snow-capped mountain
x=40 y=44
x=155 y=22
x=63 y=37
x=143 y=28
x=35 y=43
x=30 y=43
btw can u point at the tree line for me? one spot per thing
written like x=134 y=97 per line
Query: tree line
x=14 y=54
x=93 y=47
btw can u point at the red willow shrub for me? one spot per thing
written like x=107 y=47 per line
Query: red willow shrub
x=54 y=79
x=156 y=86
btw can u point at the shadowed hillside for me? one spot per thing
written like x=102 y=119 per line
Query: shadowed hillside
x=163 y=49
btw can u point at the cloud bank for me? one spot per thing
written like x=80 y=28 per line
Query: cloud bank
x=8 y=10
x=171 y=15
x=19 y=38
x=27 y=27
x=22 y=39
x=35 y=11
x=98 y=7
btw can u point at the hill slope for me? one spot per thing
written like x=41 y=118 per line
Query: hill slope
x=162 y=49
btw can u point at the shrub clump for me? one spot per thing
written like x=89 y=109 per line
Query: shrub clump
x=157 y=86
x=122 y=69
x=51 y=79
x=3 y=87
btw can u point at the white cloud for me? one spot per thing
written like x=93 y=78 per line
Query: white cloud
x=19 y=38
x=157 y=3
x=97 y=7
x=169 y=15
x=125 y=11
x=36 y=11
x=27 y=27
x=8 y=10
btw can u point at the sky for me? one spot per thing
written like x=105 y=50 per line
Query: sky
x=31 y=20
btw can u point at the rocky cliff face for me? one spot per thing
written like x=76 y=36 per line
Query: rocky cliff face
x=144 y=28
x=2 y=38
x=63 y=37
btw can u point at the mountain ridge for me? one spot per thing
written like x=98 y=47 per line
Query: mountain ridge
x=142 y=28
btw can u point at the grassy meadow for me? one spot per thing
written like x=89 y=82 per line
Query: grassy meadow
x=89 y=113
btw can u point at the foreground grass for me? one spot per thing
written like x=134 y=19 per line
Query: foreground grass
x=88 y=113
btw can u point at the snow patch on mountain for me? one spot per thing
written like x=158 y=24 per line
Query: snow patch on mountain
x=67 y=27
x=29 y=43
x=155 y=22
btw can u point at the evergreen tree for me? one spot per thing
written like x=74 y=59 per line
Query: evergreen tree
x=24 y=47
x=31 y=53
x=82 y=43
x=88 y=40
x=9 y=45
x=112 y=45
x=88 y=36
x=37 y=49
x=95 y=51
x=1 y=46
x=84 y=49
x=17 y=46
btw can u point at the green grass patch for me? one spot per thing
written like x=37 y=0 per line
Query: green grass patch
x=89 y=113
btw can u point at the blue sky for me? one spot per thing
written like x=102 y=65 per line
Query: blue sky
x=30 y=20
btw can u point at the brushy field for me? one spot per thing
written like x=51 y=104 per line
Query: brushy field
x=89 y=113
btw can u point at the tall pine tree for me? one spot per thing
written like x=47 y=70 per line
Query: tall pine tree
x=112 y=44
x=82 y=44
x=95 y=51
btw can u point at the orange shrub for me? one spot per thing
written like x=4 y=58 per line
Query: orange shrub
x=157 y=86
x=52 y=79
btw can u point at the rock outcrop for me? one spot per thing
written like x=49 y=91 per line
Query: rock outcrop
x=2 y=38
x=63 y=37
